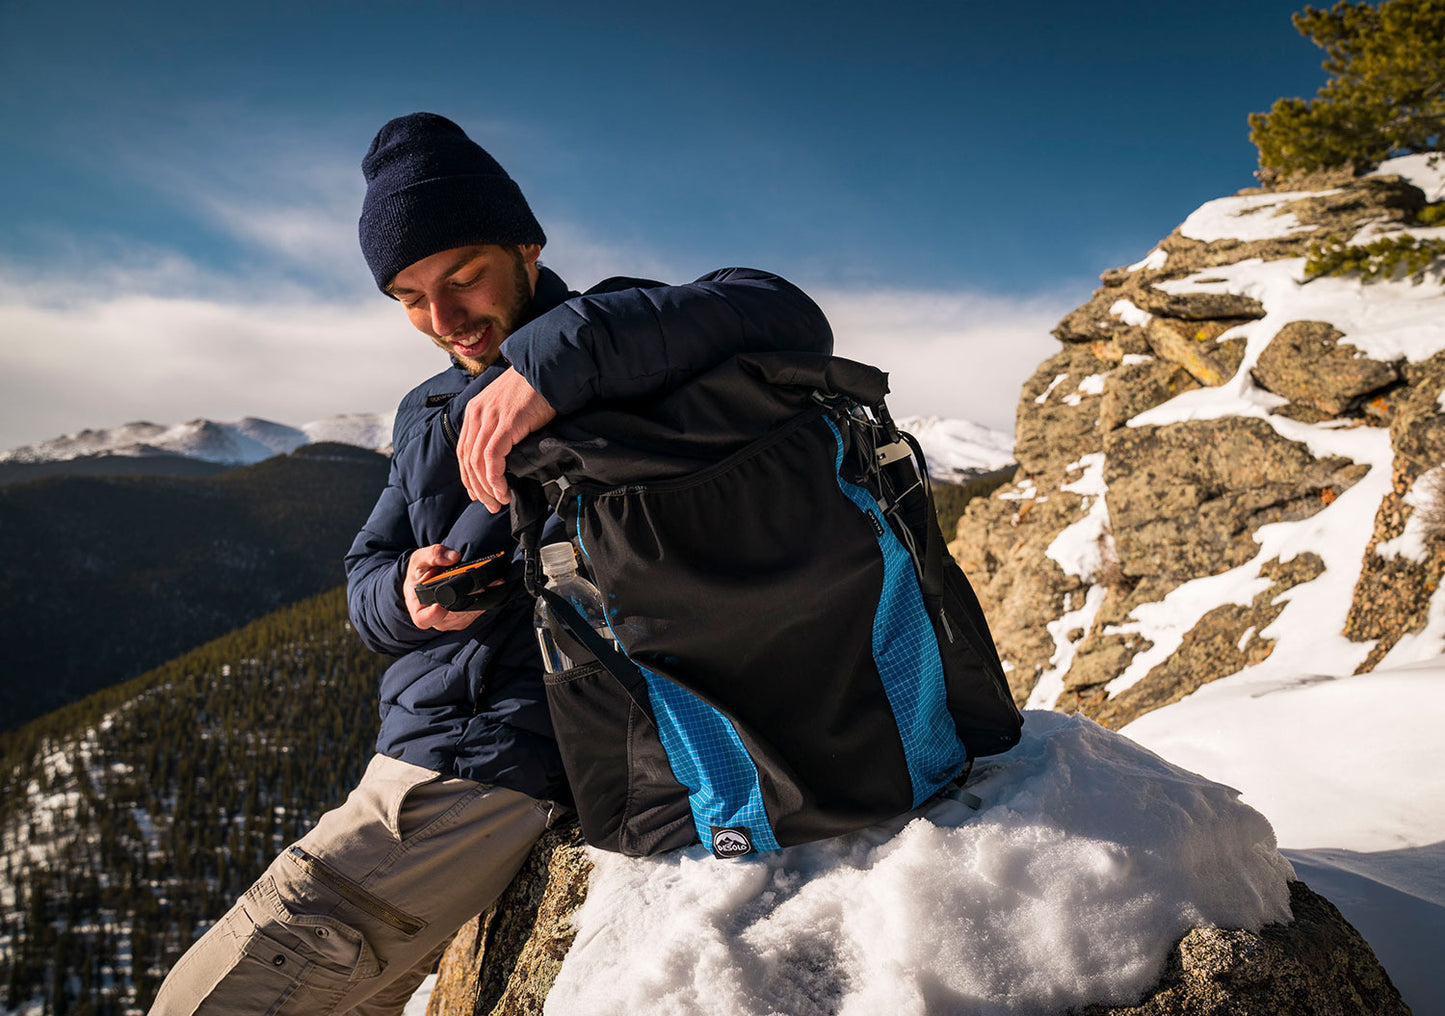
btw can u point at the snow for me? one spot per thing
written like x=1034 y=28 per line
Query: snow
x=1126 y=311
x=1386 y=319
x=1154 y=260
x=1091 y=385
x=1247 y=217
x=1426 y=171
x=1044 y=395
x=416 y=1006
x=364 y=430
x=1410 y=544
x=957 y=449
x=1349 y=772
x=1050 y=684
x=1089 y=859
x=1078 y=549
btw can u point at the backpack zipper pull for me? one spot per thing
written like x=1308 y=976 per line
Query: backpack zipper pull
x=947 y=628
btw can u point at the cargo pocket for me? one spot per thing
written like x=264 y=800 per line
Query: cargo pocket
x=318 y=873
x=615 y=762
x=291 y=962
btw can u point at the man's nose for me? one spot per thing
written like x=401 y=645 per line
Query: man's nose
x=446 y=316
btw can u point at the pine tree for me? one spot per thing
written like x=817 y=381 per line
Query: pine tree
x=1385 y=95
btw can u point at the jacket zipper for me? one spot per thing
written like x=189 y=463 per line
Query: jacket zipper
x=448 y=430
x=353 y=893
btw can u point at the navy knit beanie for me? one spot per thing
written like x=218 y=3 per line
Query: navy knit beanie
x=430 y=188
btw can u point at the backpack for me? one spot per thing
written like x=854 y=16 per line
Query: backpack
x=796 y=654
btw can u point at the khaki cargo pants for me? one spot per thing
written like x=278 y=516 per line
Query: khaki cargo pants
x=351 y=917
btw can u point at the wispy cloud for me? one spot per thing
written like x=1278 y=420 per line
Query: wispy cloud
x=146 y=355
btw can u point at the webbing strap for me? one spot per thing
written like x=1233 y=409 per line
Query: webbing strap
x=617 y=665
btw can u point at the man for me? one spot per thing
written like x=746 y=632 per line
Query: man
x=351 y=918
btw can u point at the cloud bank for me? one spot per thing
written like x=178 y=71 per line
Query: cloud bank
x=104 y=331
x=138 y=353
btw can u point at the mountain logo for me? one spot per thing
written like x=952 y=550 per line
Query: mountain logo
x=731 y=841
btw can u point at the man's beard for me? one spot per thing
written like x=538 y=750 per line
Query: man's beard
x=516 y=314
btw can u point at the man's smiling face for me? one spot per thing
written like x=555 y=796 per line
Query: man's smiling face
x=468 y=299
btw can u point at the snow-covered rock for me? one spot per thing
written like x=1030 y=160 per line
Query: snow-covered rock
x=1257 y=439
x=1094 y=873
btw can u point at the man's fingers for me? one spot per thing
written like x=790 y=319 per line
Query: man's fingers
x=466 y=445
x=502 y=414
x=426 y=559
x=494 y=465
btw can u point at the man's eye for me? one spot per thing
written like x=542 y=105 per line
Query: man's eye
x=464 y=283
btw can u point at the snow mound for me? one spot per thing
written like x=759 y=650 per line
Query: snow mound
x=1246 y=217
x=1090 y=859
x=1425 y=170
x=958 y=449
x=1348 y=770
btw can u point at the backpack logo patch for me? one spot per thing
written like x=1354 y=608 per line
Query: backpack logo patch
x=731 y=841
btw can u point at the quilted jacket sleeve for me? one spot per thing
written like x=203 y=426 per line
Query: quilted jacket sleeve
x=375 y=565
x=645 y=340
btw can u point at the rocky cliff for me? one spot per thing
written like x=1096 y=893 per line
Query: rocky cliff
x=1224 y=465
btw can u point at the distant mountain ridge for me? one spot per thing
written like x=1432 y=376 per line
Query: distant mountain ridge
x=142 y=568
x=955 y=449
x=239 y=442
x=958 y=450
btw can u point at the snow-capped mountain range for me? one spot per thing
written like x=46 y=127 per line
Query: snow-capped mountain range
x=955 y=449
x=238 y=442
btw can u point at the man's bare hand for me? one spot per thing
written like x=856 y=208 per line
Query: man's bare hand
x=426 y=563
x=506 y=411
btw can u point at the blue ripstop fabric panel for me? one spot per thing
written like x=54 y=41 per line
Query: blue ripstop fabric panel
x=709 y=758
x=905 y=650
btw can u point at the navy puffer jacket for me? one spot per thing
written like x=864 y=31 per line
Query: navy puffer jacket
x=471 y=703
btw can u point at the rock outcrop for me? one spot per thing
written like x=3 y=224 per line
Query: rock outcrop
x=503 y=962
x=1200 y=398
x=1316 y=964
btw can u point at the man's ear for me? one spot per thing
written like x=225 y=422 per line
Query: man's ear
x=530 y=252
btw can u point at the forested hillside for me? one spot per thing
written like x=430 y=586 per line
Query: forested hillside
x=134 y=817
x=105 y=577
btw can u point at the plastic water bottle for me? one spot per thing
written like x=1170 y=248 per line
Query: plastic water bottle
x=559 y=562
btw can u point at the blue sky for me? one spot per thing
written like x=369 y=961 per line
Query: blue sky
x=180 y=182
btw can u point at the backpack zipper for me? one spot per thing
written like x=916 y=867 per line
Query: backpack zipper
x=354 y=894
x=947 y=628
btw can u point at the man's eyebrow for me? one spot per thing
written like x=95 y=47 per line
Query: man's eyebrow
x=456 y=266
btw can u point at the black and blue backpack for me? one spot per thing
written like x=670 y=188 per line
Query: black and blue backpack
x=793 y=654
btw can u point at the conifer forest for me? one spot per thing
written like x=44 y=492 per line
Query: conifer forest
x=131 y=820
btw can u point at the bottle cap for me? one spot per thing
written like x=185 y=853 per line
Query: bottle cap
x=558 y=559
